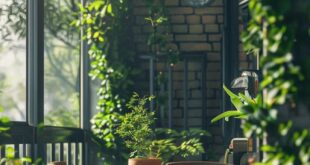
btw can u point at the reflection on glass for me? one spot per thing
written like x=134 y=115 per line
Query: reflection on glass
x=61 y=64
x=13 y=59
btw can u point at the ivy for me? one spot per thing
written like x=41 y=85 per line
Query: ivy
x=106 y=31
x=272 y=32
x=158 y=40
x=103 y=26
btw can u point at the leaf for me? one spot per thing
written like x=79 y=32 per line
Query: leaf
x=230 y=113
x=109 y=10
x=235 y=100
x=96 y=34
x=247 y=99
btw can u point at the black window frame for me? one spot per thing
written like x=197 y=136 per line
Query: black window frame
x=29 y=131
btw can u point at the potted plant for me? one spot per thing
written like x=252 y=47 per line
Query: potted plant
x=151 y=146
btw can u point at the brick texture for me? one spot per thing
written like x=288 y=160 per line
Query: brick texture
x=196 y=29
x=192 y=30
x=190 y=47
x=171 y=2
x=193 y=19
x=190 y=37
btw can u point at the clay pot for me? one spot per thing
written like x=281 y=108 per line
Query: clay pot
x=143 y=161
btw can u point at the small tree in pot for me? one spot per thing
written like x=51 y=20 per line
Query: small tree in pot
x=140 y=138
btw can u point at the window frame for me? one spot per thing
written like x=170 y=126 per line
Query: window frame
x=29 y=131
x=35 y=69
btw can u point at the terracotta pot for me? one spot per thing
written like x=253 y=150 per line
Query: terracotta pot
x=143 y=161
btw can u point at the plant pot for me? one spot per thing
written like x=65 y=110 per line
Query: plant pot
x=144 y=161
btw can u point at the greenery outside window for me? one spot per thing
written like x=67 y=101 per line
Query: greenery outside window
x=61 y=64
x=13 y=59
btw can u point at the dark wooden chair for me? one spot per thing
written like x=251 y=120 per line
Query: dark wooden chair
x=195 y=163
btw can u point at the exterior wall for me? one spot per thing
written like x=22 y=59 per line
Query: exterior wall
x=192 y=31
x=245 y=61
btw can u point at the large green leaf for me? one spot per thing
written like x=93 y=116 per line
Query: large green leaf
x=247 y=99
x=230 y=113
x=235 y=99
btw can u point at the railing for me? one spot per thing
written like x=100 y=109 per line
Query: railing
x=46 y=143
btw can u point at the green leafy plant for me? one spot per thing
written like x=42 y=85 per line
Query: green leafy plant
x=10 y=159
x=136 y=129
x=187 y=142
x=158 y=40
x=104 y=23
x=272 y=33
x=4 y=124
x=238 y=101
x=143 y=141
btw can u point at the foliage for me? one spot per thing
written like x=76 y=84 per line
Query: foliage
x=16 y=19
x=61 y=63
x=12 y=29
x=4 y=123
x=187 y=142
x=272 y=31
x=11 y=160
x=143 y=141
x=158 y=40
x=104 y=23
x=61 y=60
x=160 y=47
x=136 y=127
x=238 y=101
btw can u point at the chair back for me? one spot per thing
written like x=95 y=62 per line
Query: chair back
x=195 y=163
x=57 y=163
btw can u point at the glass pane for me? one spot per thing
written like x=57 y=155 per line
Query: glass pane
x=61 y=64
x=13 y=59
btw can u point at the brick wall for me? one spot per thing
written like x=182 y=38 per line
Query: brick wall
x=193 y=30
x=245 y=61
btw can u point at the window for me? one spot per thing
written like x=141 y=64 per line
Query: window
x=13 y=58
x=61 y=64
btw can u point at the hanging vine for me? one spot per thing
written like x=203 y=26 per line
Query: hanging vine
x=104 y=25
x=272 y=32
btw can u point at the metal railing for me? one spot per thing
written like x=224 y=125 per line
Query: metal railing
x=47 y=143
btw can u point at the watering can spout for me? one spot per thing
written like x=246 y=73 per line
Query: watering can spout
x=240 y=83
x=247 y=82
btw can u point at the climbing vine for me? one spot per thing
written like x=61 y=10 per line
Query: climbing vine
x=272 y=32
x=104 y=25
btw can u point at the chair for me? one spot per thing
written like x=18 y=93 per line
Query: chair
x=194 y=163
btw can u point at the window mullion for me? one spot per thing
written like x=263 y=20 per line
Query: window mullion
x=32 y=61
x=85 y=112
